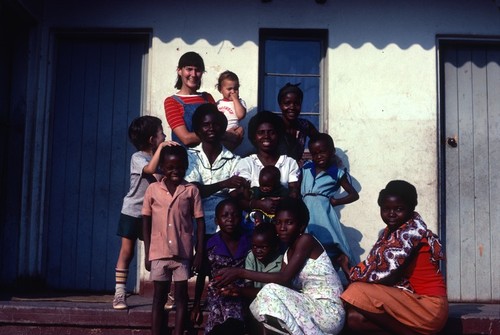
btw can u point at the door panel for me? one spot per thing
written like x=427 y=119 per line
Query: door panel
x=14 y=58
x=471 y=87
x=97 y=92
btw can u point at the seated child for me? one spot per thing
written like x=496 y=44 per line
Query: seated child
x=265 y=256
x=227 y=248
x=269 y=187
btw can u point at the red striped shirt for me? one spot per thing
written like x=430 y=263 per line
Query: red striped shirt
x=174 y=111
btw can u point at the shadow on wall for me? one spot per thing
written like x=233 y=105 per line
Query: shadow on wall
x=353 y=235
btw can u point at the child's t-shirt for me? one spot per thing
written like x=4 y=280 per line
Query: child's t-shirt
x=227 y=108
x=253 y=264
x=132 y=203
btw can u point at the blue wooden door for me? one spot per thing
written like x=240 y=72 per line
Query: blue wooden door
x=97 y=92
x=14 y=55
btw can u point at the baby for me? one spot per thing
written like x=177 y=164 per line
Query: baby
x=233 y=108
x=269 y=187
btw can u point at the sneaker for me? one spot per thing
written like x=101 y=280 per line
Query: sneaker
x=170 y=302
x=120 y=301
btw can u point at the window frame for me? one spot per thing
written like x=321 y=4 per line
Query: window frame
x=320 y=35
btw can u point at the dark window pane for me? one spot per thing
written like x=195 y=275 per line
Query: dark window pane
x=292 y=57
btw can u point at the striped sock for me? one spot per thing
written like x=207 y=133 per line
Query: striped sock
x=121 y=279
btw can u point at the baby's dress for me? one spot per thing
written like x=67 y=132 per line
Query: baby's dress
x=312 y=307
x=324 y=224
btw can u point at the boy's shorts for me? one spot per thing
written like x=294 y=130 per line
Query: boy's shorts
x=130 y=227
x=169 y=269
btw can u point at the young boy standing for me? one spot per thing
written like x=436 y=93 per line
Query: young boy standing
x=169 y=208
x=146 y=134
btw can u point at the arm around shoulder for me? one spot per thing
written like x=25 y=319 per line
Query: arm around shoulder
x=152 y=166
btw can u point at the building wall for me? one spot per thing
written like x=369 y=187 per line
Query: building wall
x=381 y=65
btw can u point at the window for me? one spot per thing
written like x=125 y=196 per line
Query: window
x=294 y=56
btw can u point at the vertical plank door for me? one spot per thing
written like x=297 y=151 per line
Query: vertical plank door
x=471 y=114
x=97 y=93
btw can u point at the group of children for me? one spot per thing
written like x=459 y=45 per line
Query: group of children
x=297 y=248
x=167 y=206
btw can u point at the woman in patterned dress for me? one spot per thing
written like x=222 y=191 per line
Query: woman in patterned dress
x=304 y=297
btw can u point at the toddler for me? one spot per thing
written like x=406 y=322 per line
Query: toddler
x=232 y=106
x=168 y=211
x=269 y=187
x=265 y=255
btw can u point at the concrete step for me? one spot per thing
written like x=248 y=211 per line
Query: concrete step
x=470 y=318
x=94 y=315
x=79 y=315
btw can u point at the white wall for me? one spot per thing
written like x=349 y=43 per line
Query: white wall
x=381 y=64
